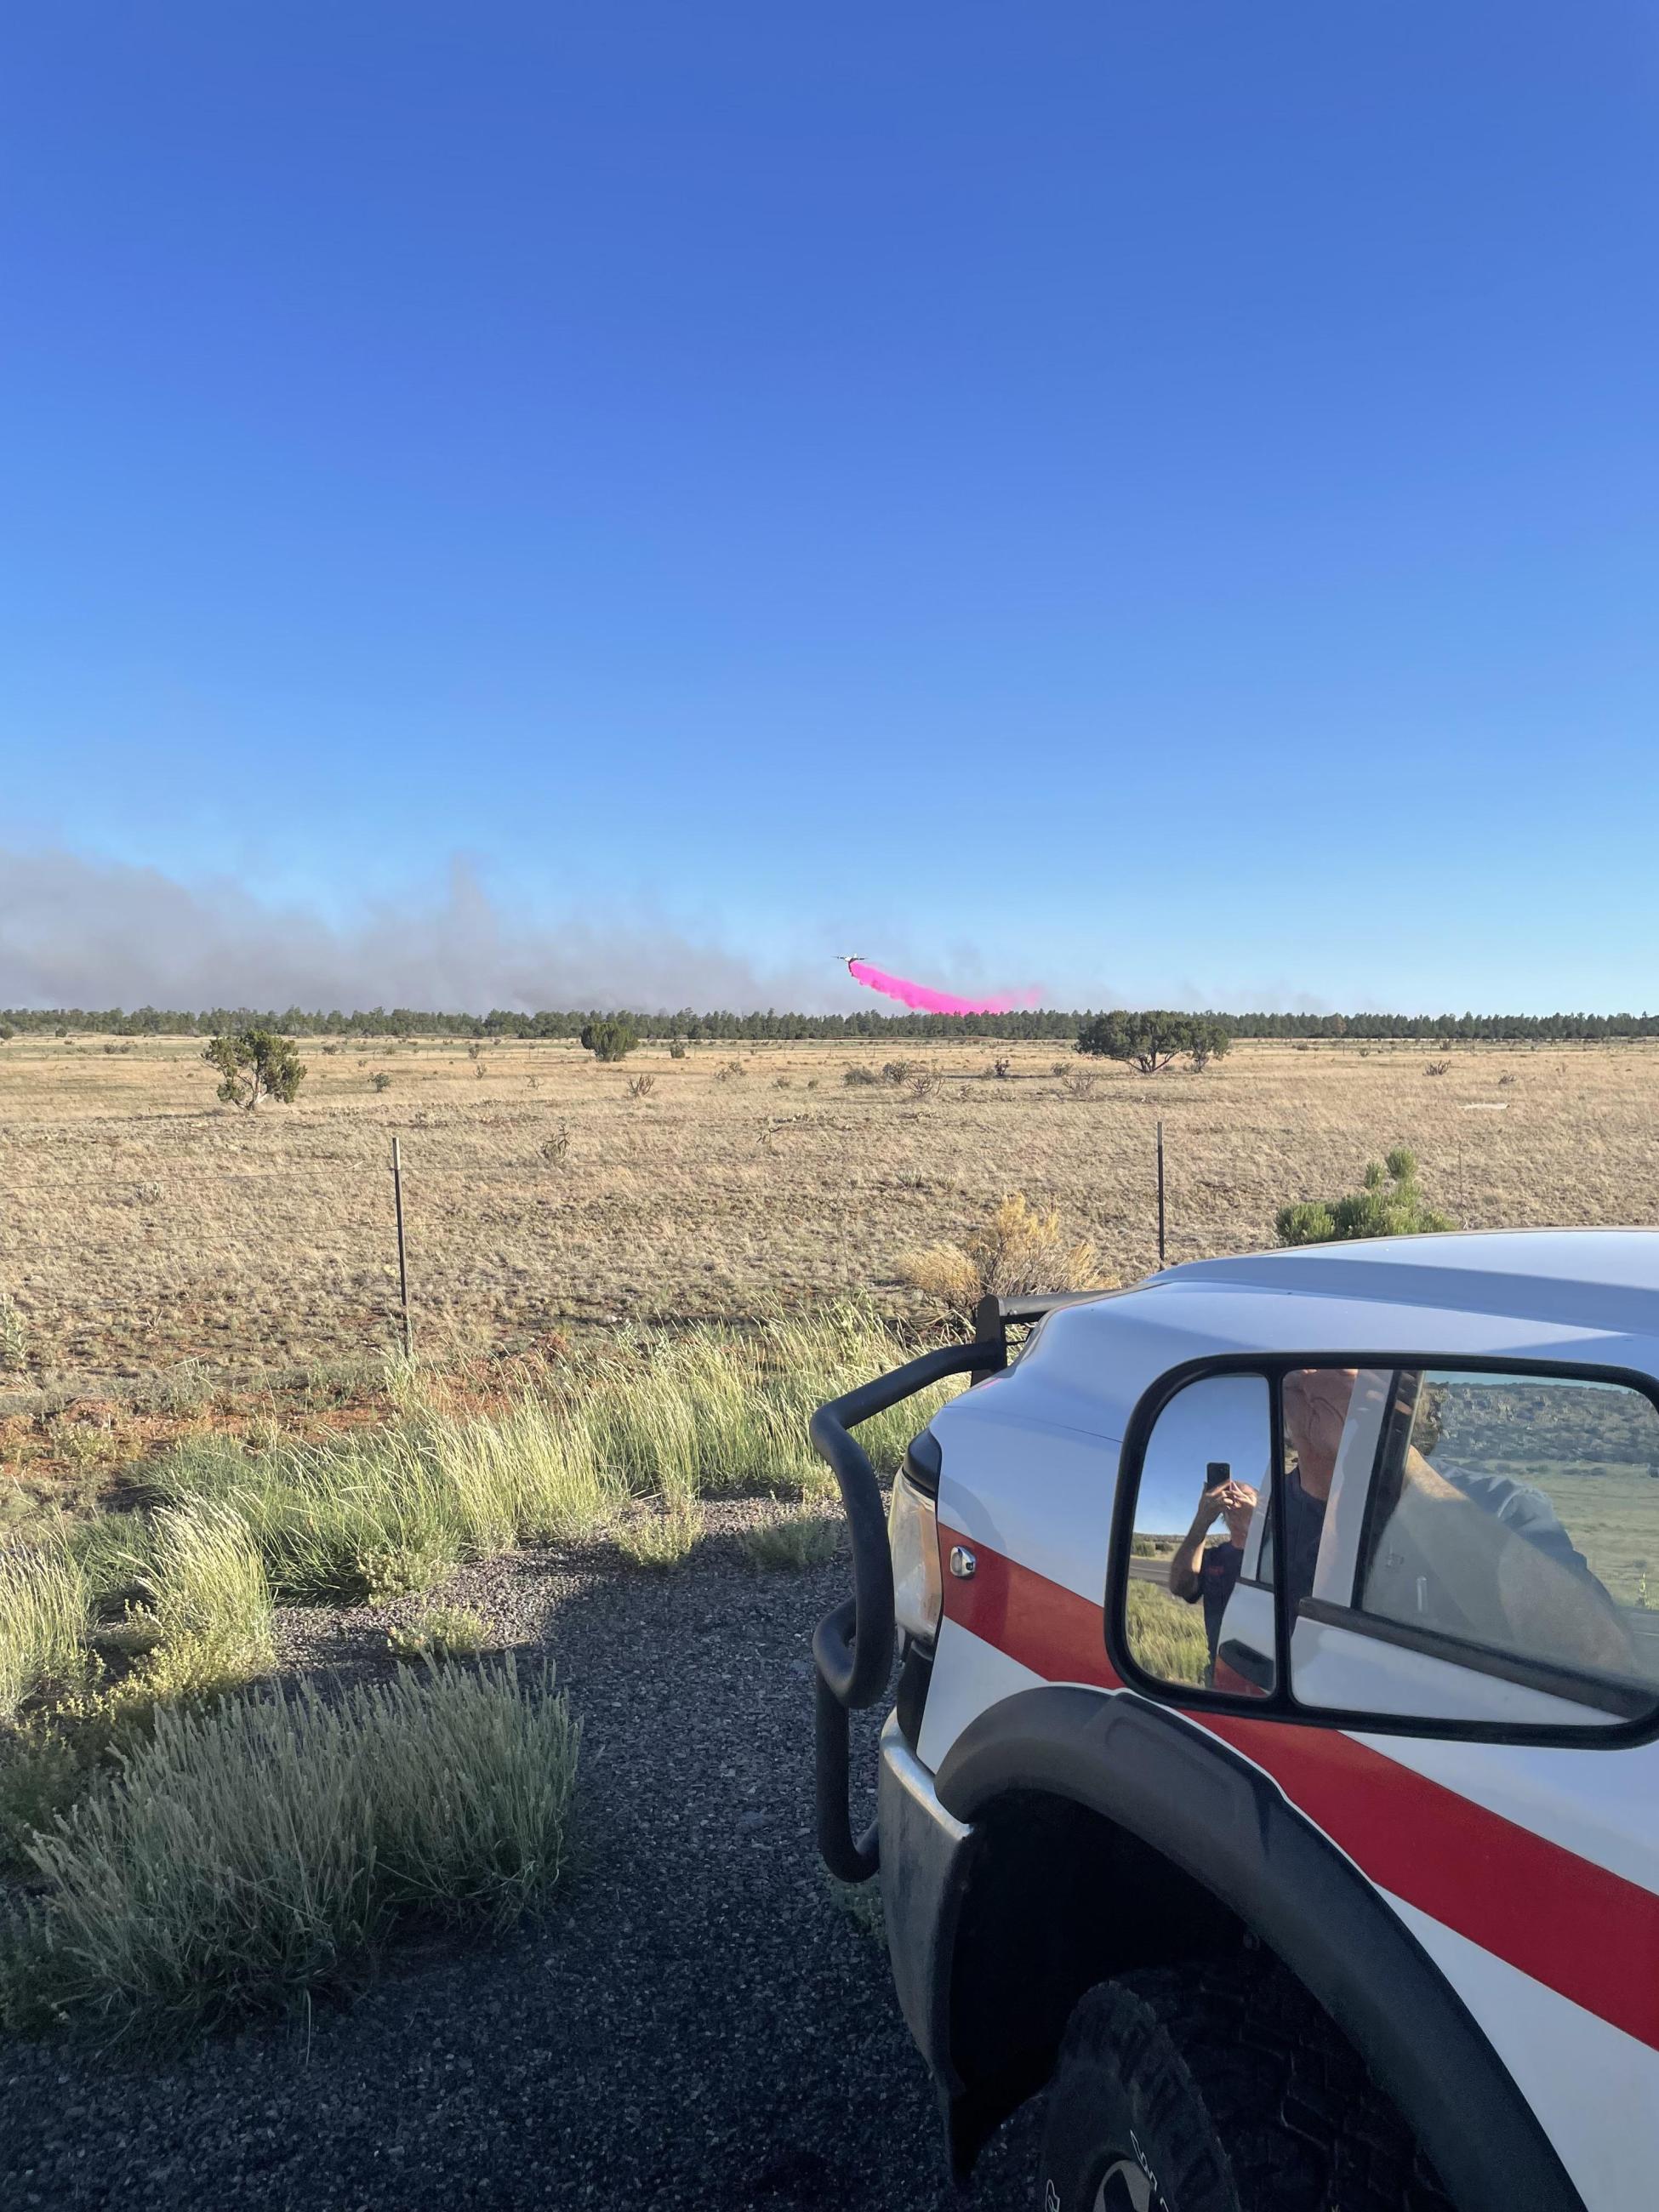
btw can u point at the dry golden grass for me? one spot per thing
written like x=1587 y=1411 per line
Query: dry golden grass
x=145 y=1224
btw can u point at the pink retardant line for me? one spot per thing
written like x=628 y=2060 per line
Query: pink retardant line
x=926 y=1001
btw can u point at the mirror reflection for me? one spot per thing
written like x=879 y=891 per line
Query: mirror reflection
x=1199 y=1611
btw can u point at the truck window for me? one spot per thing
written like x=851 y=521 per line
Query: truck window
x=1190 y=1616
x=1517 y=1516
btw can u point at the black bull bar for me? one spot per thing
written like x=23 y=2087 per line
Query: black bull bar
x=853 y=1646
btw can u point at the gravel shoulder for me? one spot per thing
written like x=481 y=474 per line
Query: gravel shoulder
x=699 y=2019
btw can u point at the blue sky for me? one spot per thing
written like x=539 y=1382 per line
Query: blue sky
x=1159 y=499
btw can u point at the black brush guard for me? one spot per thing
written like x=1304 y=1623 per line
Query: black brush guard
x=854 y=1645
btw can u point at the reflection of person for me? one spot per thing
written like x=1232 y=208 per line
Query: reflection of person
x=1315 y=1406
x=1210 y=1571
x=1463 y=1551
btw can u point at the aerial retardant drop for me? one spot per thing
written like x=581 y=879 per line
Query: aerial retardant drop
x=925 y=1001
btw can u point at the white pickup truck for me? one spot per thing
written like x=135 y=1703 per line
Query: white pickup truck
x=1273 y=1773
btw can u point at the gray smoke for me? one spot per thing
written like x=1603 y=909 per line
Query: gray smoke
x=97 y=933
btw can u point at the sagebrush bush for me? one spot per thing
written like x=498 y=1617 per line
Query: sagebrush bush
x=1018 y=1250
x=269 y=1846
x=804 y=1537
x=446 y=1631
x=666 y=1534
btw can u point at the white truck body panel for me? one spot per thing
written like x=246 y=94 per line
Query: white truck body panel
x=1030 y=1469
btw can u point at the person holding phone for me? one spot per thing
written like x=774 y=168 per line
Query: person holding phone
x=1208 y=1573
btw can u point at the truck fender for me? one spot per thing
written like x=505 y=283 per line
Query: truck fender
x=1229 y=1826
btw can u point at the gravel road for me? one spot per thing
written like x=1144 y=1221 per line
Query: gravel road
x=700 y=2022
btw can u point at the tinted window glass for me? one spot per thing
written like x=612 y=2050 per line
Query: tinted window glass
x=1520 y=1515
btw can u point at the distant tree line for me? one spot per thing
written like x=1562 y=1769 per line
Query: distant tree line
x=1040 y=1025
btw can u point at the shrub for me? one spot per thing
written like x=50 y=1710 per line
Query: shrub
x=255 y=1064
x=270 y=1846
x=859 y=1076
x=641 y=1086
x=610 y=1039
x=1437 y=1067
x=1388 y=1204
x=806 y=1538
x=388 y=1572
x=1002 y=1069
x=1076 y=1083
x=733 y=1071
x=676 y=1047
x=897 y=1073
x=664 y=1536
x=555 y=1149
x=379 y=1080
x=1017 y=1249
x=1151 y=1041
x=446 y=1631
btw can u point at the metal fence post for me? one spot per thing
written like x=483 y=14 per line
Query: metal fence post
x=403 y=1254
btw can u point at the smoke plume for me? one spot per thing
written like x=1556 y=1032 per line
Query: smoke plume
x=93 y=933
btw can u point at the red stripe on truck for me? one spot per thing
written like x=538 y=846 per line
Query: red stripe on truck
x=1583 y=1932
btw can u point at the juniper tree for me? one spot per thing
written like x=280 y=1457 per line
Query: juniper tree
x=256 y=1064
x=610 y=1039
x=1151 y=1041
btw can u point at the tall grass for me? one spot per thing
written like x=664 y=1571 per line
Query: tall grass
x=270 y=1846
x=204 y=1599
x=382 y=1512
x=45 y=1616
x=660 y=1416
x=1165 y=1635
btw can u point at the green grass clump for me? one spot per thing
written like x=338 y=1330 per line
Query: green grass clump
x=203 y=1621
x=1165 y=1635
x=801 y=1539
x=446 y=1631
x=45 y=1616
x=270 y=1846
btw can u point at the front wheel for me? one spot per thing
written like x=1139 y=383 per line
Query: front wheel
x=1221 y=2087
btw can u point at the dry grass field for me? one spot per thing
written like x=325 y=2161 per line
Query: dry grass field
x=144 y=1224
